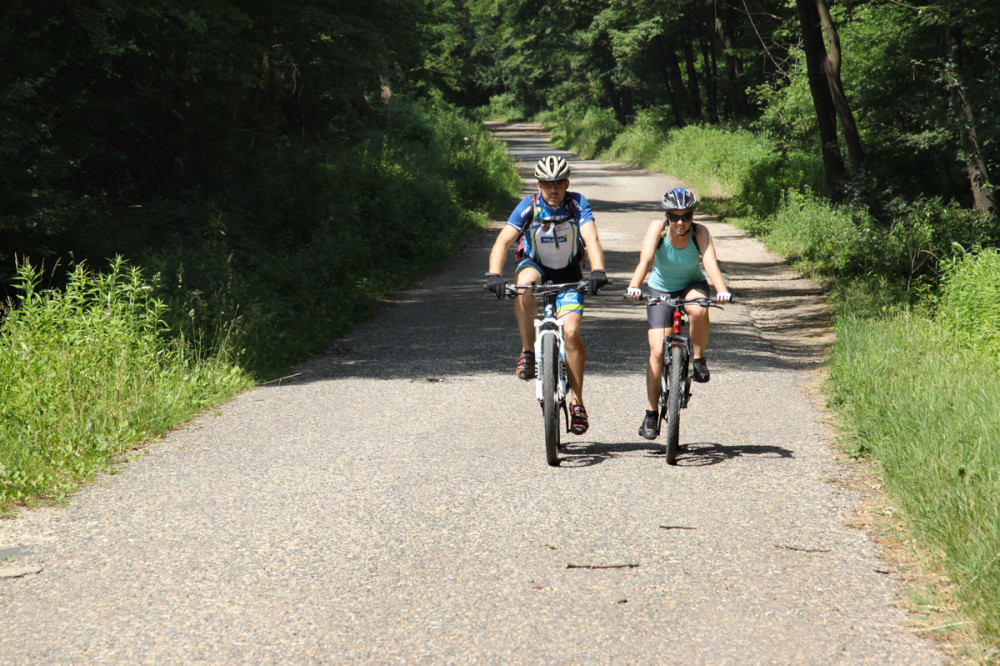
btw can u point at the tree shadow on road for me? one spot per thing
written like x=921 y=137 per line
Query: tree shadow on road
x=448 y=326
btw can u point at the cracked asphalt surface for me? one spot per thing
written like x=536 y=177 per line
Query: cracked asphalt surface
x=391 y=503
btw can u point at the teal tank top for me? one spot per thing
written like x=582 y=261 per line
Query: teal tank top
x=675 y=269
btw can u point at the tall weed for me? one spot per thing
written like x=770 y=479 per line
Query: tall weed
x=911 y=399
x=86 y=372
x=970 y=301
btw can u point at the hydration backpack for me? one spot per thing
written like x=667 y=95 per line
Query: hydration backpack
x=533 y=202
x=693 y=231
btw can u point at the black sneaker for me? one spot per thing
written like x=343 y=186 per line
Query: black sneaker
x=700 y=369
x=648 y=427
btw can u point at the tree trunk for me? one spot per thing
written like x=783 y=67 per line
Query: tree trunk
x=984 y=195
x=732 y=70
x=673 y=69
x=711 y=91
x=831 y=67
x=826 y=113
x=694 y=90
x=674 y=96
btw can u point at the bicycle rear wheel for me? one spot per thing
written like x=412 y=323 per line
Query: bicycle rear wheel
x=675 y=388
x=550 y=410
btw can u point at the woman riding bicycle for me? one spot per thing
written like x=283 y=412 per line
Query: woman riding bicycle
x=668 y=250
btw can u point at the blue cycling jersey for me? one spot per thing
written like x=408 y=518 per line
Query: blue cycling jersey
x=553 y=239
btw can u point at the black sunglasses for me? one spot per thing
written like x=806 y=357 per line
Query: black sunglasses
x=677 y=217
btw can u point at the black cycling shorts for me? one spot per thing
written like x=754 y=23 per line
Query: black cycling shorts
x=659 y=314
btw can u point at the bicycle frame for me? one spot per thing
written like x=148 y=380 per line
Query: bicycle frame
x=676 y=338
x=551 y=375
x=548 y=325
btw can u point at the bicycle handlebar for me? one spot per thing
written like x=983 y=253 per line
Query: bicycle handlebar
x=646 y=299
x=546 y=289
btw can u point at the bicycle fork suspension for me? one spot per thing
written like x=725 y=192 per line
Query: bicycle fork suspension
x=544 y=328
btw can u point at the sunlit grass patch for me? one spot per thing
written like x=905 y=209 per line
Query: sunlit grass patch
x=86 y=372
x=909 y=398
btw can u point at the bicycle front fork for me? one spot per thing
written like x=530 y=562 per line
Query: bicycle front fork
x=543 y=328
x=686 y=352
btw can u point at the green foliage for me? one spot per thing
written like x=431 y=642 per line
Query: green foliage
x=587 y=135
x=87 y=372
x=641 y=141
x=364 y=221
x=970 y=301
x=927 y=412
x=117 y=105
x=830 y=241
x=738 y=171
x=502 y=108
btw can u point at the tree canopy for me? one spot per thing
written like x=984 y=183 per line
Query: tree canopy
x=902 y=93
x=112 y=109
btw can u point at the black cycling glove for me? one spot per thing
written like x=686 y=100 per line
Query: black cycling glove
x=496 y=284
x=596 y=280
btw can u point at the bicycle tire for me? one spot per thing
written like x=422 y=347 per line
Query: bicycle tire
x=675 y=387
x=550 y=410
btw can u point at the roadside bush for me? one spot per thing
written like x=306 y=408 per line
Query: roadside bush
x=716 y=161
x=970 y=301
x=586 y=135
x=86 y=372
x=926 y=411
x=642 y=140
x=321 y=236
x=502 y=108
x=829 y=241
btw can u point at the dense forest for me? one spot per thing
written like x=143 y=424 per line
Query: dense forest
x=195 y=195
x=152 y=124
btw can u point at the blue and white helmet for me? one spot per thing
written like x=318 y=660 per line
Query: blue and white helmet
x=679 y=198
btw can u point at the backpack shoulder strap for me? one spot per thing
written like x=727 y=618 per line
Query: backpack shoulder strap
x=694 y=235
x=572 y=208
x=663 y=233
x=531 y=215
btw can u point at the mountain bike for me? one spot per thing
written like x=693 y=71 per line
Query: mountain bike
x=675 y=377
x=551 y=380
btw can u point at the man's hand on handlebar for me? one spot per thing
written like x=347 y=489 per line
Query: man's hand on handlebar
x=598 y=278
x=496 y=284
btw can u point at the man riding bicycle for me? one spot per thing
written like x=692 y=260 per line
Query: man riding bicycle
x=556 y=228
x=672 y=248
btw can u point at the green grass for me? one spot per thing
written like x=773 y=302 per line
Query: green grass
x=908 y=397
x=86 y=372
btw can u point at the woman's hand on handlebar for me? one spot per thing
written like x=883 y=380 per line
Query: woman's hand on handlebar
x=633 y=293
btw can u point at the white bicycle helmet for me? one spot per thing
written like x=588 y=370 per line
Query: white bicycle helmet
x=552 y=167
x=679 y=198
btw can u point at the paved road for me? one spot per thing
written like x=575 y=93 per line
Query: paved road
x=391 y=504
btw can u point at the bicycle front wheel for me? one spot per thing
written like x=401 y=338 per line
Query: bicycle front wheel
x=550 y=410
x=675 y=389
